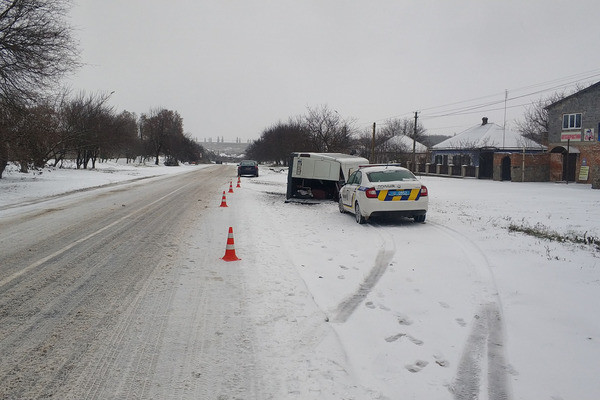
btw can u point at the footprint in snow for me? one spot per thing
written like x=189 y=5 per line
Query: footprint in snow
x=413 y=339
x=404 y=320
x=417 y=366
x=416 y=341
x=370 y=304
x=440 y=360
x=393 y=338
x=461 y=322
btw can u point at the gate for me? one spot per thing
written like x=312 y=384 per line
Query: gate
x=506 y=174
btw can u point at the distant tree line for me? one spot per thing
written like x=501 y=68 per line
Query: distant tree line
x=324 y=130
x=320 y=130
x=38 y=125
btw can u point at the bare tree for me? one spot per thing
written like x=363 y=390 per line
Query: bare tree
x=124 y=139
x=36 y=46
x=320 y=130
x=38 y=135
x=328 y=130
x=386 y=149
x=187 y=149
x=403 y=126
x=10 y=119
x=85 y=120
x=36 y=50
x=277 y=142
x=160 y=129
x=534 y=124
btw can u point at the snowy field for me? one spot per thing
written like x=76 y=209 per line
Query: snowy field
x=464 y=306
x=17 y=188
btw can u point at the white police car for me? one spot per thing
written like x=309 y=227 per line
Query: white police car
x=383 y=189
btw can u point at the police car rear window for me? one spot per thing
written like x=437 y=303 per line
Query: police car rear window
x=390 y=176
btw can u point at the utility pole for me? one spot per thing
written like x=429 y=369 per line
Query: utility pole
x=414 y=157
x=504 y=125
x=373 y=145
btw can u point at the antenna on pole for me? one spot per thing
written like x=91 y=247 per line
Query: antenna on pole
x=504 y=125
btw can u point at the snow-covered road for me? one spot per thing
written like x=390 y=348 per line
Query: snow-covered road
x=318 y=307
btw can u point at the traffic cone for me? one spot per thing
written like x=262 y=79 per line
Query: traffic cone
x=224 y=200
x=230 y=248
x=238 y=184
x=230 y=187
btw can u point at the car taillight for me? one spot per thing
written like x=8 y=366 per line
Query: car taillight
x=371 y=193
x=423 y=191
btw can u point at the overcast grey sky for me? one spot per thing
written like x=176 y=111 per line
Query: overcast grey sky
x=233 y=68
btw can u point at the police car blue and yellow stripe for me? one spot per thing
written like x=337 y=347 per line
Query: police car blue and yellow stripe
x=396 y=195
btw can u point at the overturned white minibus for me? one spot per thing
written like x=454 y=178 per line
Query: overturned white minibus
x=319 y=176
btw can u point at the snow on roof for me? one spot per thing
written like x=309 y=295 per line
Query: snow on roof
x=488 y=135
x=405 y=141
x=334 y=156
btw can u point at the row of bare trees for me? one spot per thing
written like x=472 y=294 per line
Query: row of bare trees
x=324 y=130
x=85 y=128
x=320 y=130
x=161 y=133
x=37 y=50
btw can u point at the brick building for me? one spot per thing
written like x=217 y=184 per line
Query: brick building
x=574 y=143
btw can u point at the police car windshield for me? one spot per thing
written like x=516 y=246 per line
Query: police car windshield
x=390 y=175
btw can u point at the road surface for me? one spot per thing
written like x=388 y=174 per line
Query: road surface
x=94 y=302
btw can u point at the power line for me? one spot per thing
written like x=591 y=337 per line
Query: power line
x=586 y=75
x=482 y=107
x=475 y=112
x=478 y=107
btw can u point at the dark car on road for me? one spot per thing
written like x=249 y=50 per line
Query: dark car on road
x=248 y=167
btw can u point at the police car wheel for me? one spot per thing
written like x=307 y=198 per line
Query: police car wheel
x=359 y=217
x=341 y=205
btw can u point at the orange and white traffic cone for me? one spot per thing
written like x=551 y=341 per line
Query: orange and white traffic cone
x=230 y=248
x=230 y=187
x=238 y=184
x=223 y=200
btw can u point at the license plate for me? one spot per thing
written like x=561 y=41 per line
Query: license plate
x=399 y=193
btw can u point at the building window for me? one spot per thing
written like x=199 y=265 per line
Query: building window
x=571 y=121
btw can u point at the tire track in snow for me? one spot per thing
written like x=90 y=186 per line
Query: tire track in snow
x=386 y=252
x=486 y=341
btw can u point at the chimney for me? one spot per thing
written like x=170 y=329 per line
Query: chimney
x=484 y=120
